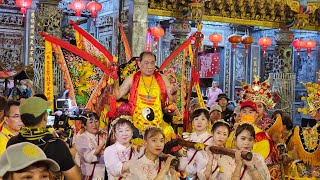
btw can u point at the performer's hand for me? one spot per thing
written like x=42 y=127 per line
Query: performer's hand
x=238 y=157
x=209 y=153
x=186 y=136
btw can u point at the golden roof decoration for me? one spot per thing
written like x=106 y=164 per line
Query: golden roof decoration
x=258 y=92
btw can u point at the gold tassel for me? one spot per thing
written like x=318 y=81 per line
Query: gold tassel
x=311 y=158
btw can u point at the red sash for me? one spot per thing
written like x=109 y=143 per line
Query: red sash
x=194 y=154
x=134 y=89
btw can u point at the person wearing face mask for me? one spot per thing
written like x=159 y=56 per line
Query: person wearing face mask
x=263 y=144
x=90 y=147
x=260 y=93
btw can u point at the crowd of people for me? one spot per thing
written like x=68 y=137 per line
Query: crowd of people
x=137 y=147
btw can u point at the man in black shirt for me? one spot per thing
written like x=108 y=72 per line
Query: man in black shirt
x=34 y=116
x=226 y=113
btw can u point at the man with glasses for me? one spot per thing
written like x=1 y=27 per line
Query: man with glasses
x=13 y=124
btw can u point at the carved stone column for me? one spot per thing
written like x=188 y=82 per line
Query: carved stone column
x=283 y=52
x=282 y=79
x=49 y=18
x=138 y=24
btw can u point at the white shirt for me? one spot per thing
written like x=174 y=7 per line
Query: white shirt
x=200 y=160
x=114 y=157
x=146 y=169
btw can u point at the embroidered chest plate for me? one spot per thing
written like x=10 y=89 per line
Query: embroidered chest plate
x=309 y=138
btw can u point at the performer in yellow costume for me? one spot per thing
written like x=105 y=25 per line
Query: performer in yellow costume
x=149 y=92
x=306 y=140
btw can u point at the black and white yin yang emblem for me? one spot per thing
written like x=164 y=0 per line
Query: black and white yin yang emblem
x=148 y=114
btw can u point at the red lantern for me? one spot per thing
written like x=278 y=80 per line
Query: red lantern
x=264 y=42
x=78 y=6
x=94 y=7
x=215 y=38
x=309 y=45
x=24 y=5
x=157 y=32
x=234 y=39
x=247 y=41
x=298 y=44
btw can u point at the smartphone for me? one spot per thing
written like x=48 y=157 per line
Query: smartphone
x=50 y=121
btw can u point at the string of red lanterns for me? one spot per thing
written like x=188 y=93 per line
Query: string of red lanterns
x=216 y=39
x=247 y=41
x=24 y=5
x=234 y=39
x=78 y=6
x=309 y=45
x=264 y=42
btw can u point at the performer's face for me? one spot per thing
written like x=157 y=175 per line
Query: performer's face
x=315 y=114
x=147 y=64
x=223 y=102
x=220 y=135
x=215 y=115
x=200 y=123
x=123 y=134
x=248 y=111
x=92 y=126
x=155 y=144
x=260 y=108
x=244 y=141
x=32 y=172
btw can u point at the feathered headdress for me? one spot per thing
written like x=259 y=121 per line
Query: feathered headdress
x=313 y=98
x=258 y=92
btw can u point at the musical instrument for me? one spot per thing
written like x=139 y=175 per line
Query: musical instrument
x=246 y=155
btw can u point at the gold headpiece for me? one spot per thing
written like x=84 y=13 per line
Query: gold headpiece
x=129 y=118
x=313 y=99
x=258 y=92
x=204 y=108
x=148 y=127
x=221 y=121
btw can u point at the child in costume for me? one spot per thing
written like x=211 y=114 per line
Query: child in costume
x=196 y=161
x=215 y=169
x=121 y=154
x=240 y=169
x=150 y=166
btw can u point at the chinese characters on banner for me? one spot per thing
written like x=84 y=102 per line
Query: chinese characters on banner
x=48 y=73
x=32 y=26
x=209 y=65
